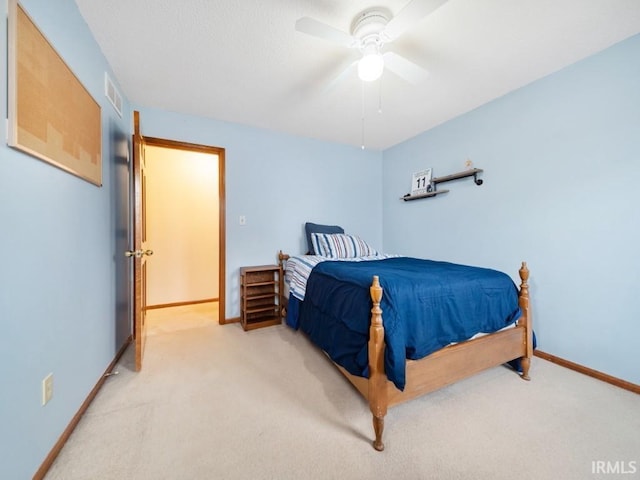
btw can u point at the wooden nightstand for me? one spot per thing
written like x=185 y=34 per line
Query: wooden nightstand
x=261 y=288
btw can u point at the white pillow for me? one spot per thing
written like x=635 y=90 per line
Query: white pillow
x=340 y=245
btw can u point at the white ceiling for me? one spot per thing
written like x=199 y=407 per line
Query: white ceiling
x=242 y=61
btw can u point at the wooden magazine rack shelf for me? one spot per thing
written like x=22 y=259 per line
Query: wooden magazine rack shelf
x=261 y=293
x=448 y=178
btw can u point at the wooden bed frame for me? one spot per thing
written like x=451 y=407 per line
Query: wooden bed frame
x=443 y=367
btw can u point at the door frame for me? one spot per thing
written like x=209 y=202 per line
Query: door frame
x=220 y=153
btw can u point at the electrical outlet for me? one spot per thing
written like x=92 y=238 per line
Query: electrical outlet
x=47 y=389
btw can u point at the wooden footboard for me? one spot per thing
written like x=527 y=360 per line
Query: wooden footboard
x=445 y=366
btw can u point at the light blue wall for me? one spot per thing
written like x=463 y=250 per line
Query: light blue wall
x=562 y=164
x=561 y=159
x=279 y=182
x=57 y=279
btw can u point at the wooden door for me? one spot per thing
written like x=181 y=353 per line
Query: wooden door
x=140 y=250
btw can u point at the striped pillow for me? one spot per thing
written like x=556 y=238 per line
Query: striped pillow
x=340 y=245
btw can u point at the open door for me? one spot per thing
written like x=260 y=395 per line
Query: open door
x=140 y=250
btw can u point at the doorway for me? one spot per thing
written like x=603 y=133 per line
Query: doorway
x=185 y=225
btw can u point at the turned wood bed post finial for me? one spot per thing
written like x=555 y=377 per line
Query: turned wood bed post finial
x=282 y=258
x=524 y=276
x=377 y=375
x=525 y=306
x=376 y=297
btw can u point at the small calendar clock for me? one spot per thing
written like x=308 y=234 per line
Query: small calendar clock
x=421 y=182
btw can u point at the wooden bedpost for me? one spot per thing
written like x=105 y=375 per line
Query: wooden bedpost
x=282 y=258
x=377 y=376
x=526 y=320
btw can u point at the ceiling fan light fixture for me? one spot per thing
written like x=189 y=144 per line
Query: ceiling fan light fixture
x=370 y=67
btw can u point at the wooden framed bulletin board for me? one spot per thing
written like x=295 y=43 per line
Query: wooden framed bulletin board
x=51 y=115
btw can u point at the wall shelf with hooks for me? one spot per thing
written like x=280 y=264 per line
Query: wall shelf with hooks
x=448 y=178
x=456 y=176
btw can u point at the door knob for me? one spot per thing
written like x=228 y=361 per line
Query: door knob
x=138 y=253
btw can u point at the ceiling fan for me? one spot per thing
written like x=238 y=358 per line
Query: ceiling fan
x=370 y=31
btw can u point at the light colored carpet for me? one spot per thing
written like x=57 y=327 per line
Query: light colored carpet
x=173 y=319
x=215 y=402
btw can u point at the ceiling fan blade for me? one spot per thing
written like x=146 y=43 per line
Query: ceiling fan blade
x=409 y=16
x=321 y=30
x=347 y=70
x=405 y=69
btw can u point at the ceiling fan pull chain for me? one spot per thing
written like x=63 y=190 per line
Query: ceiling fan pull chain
x=380 y=95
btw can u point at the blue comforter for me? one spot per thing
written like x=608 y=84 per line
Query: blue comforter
x=426 y=305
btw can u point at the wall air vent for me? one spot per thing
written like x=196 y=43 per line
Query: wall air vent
x=112 y=94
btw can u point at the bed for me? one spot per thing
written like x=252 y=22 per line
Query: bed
x=355 y=308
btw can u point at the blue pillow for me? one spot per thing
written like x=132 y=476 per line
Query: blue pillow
x=310 y=228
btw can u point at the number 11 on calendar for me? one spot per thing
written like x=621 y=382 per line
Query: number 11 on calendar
x=421 y=182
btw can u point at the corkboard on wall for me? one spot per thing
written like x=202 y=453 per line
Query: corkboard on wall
x=51 y=115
